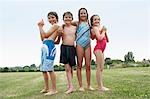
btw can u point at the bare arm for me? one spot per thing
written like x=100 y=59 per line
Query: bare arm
x=60 y=32
x=44 y=34
x=104 y=29
x=98 y=35
x=74 y=23
x=106 y=37
x=40 y=25
x=92 y=34
x=51 y=31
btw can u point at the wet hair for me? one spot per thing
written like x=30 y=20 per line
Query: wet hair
x=53 y=13
x=67 y=13
x=80 y=11
x=91 y=19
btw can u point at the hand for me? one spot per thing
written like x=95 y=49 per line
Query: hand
x=104 y=29
x=41 y=23
x=60 y=31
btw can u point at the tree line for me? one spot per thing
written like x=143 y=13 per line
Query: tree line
x=109 y=63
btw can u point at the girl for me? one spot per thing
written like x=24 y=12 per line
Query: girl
x=83 y=47
x=102 y=39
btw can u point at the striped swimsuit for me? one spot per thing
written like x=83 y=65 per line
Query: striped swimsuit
x=83 y=35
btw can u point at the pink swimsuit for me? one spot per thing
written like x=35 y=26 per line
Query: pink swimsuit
x=101 y=44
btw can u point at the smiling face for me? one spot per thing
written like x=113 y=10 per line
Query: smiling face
x=83 y=16
x=67 y=17
x=52 y=19
x=95 y=20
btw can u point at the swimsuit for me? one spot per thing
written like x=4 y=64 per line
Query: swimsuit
x=83 y=35
x=68 y=54
x=48 y=51
x=101 y=44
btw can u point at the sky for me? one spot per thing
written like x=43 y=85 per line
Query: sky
x=127 y=22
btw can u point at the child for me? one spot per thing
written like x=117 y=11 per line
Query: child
x=83 y=47
x=102 y=39
x=48 y=52
x=68 y=50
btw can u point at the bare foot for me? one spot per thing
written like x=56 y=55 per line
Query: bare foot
x=44 y=91
x=81 y=89
x=70 y=90
x=50 y=93
x=104 y=89
x=68 y=87
x=90 y=88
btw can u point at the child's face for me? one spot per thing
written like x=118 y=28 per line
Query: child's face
x=52 y=19
x=83 y=15
x=67 y=19
x=96 y=21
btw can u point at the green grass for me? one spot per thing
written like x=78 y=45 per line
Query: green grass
x=125 y=83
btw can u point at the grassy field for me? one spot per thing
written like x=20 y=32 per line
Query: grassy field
x=125 y=83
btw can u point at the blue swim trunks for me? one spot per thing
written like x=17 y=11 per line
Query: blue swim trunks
x=48 y=51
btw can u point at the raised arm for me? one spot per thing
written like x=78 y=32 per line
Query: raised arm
x=51 y=30
x=98 y=35
x=104 y=29
x=44 y=34
x=40 y=25
x=59 y=32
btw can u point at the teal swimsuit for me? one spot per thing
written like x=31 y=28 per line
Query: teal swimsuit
x=83 y=35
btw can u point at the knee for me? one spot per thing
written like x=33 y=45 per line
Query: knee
x=100 y=69
x=79 y=67
x=88 y=67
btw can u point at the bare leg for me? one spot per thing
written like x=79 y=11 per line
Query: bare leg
x=69 y=78
x=80 y=54
x=46 y=86
x=53 y=80
x=87 y=63
x=100 y=65
x=72 y=72
x=88 y=67
x=99 y=69
x=72 y=77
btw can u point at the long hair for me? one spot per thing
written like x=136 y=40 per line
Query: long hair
x=80 y=11
x=91 y=19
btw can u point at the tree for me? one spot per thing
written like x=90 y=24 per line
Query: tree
x=108 y=61
x=129 y=57
x=26 y=68
x=33 y=68
x=6 y=69
x=92 y=62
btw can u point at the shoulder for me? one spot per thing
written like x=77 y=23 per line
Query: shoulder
x=75 y=23
x=74 y=26
x=55 y=26
x=95 y=28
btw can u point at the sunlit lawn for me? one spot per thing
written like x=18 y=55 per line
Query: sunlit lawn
x=125 y=83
